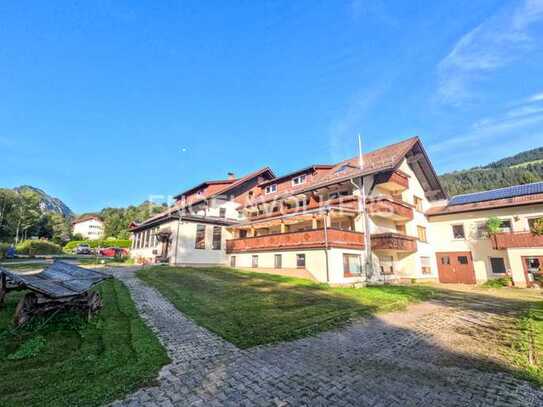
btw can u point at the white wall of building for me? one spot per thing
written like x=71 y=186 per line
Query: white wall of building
x=91 y=229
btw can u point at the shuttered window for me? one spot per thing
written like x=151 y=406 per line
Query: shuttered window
x=217 y=236
x=200 y=242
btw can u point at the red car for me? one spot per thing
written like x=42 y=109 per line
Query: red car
x=113 y=252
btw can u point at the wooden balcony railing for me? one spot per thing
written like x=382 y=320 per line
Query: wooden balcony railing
x=315 y=239
x=392 y=180
x=308 y=239
x=388 y=208
x=502 y=241
x=393 y=241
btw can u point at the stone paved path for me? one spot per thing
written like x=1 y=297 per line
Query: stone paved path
x=399 y=359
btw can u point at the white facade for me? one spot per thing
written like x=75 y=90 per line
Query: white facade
x=90 y=229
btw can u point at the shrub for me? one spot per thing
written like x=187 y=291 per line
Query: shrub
x=493 y=225
x=38 y=247
x=123 y=244
x=537 y=227
x=498 y=282
x=3 y=249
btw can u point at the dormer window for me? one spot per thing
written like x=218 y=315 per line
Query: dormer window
x=271 y=189
x=341 y=169
x=300 y=179
x=200 y=192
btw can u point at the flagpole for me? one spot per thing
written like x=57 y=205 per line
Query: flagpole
x=362 y=208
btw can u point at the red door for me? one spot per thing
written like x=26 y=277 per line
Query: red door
x=455 y=267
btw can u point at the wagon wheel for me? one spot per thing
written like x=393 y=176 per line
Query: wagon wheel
x=25 y=309
x=94 y=302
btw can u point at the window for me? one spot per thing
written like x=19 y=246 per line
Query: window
x=351 y=264
x=532 y=222
x=300 y=261
x=300 y=179
x=400 y=228
x=534 y=265
x=386 y=264
x=463 y=260
x=200 y=237
x=497 y=265
x=458 y=232
x=335 y=195
x=255 y=261
x=278 y=261
x=426 y=265
x=222 y=212
x=482 y=231
x=421 y=232
x=242 y=233
x=341 y=169
x=418 y=203
x=506 y=225
x=446 y=260
x=232 y=261
x=271 y=188
x=217 y=237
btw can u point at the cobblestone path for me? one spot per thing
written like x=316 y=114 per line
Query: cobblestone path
x=412 y=358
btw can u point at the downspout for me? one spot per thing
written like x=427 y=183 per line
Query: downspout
x=177 y=240
x=326 y=245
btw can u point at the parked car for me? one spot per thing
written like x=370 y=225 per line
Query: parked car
x=113 y=252
x=83 y=249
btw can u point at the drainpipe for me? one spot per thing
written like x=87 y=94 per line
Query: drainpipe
x=326 y=245
x=177 y=240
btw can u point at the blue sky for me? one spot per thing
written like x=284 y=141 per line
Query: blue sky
x=107 y=103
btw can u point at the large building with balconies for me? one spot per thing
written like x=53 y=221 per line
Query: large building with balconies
x=312 y=223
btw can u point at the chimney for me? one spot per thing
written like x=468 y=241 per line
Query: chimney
x=231 y=175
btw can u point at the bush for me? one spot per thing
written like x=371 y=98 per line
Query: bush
x=537 y=228
x=38 y=247
x=123 y=244
x=3 y=250
x=498 y=282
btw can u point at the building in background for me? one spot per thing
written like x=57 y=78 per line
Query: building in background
x=309 y=223
x=90 y=227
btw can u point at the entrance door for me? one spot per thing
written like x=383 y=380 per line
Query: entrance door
x=533 y=268
x=455 y=267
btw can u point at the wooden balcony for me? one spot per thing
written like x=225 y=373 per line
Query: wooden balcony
x=308 y=239
x=507 y=240
x=388 y=208
x=394 y=241
x=394 y=181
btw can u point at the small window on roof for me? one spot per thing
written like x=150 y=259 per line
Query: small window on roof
x=271 y=188
x=341 y=169
x=300 y=179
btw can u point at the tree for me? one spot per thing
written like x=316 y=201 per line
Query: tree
x=27 y=213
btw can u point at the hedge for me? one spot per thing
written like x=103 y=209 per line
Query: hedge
x=71 y=245
x=38 y=247
x=3 y=249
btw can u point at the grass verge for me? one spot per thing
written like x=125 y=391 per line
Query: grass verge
x=249 y=309
x=72 y=362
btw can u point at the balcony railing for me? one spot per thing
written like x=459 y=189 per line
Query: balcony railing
x=315 y=239
x=388 y=208
x=308 y=239
x=502 y=241
x=394 y=241
x=392 y=180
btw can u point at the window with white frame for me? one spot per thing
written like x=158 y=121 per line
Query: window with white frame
x=270 y=189
x=482 y=230
x=458 y=232
x=426 y=265
x=300 y=179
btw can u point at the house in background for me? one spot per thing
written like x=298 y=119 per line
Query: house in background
x=90 y=227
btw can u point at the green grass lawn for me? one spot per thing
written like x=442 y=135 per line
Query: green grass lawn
x=72 y=362
x=251 y=309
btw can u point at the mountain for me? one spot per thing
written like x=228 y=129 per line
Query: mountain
x=48 y=204
x=522 y=168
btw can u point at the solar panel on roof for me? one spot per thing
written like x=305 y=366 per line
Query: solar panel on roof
x=502 y=193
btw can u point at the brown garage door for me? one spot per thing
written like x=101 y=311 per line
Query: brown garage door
x=455 y=267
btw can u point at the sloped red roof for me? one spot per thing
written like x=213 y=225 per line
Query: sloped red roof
x=382 y=159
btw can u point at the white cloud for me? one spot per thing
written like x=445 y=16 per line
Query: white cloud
x=538 y=97
x=492 y=130
x=525 y=111
x=500 y=40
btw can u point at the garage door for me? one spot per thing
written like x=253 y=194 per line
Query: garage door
x=455 y=267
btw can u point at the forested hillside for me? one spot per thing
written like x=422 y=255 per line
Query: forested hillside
x=521 y=168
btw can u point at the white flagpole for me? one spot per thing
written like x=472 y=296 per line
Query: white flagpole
x=362 y=208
